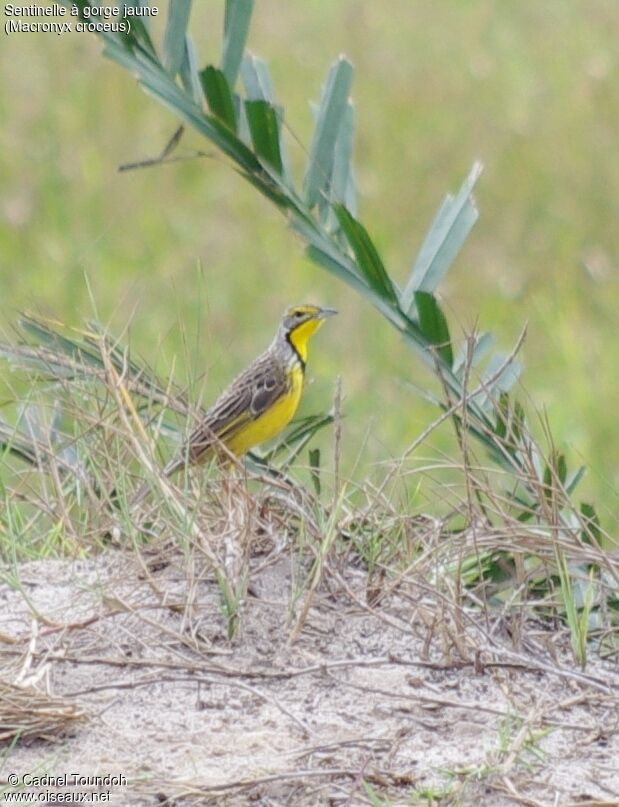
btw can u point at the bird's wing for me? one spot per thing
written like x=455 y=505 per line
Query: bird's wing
x=249 y=395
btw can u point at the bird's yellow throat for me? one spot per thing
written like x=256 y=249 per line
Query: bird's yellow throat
x=299 y=337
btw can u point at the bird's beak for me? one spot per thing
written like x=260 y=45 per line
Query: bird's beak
x=326 y=312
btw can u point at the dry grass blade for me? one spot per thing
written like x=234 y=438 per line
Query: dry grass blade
x=28 y=714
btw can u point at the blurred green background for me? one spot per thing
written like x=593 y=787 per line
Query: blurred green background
x=201 y=266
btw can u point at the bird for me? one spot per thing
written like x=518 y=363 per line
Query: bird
x=261 y=401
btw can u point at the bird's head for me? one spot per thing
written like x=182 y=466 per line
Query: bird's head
x=302 y=321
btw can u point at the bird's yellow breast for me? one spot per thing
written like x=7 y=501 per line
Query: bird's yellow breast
x=271 y=423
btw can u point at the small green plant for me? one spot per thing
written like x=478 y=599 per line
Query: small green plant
x=577 y=614
x=436 y=796
x=231 y=597
x=375 y=799
x=517 y=747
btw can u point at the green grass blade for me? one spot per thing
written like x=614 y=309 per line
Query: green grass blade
x=140 y=33
x=259 y=87
x=263 y=182
x=591 y=522
x=331 y=264
x=174 y=37
x=503 y=411
x=265 y=132
x=257 y=79
x=481 y=346
x=190 y=75
x=343 y=189
x=367 y=257
x=310 y=231
x=309 y=425
x=494 y=385
x=236 y=27
x=561 y=468
x=341 y=185
x=330 y=115
x=449 y=230
x=314 y=464
x=219 y=96
x=298 y=436
x=125 y=57
x=573 y=479
x=433 y=325
x=54 y=341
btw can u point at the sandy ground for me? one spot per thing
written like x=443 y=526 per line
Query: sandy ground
x=384 y=698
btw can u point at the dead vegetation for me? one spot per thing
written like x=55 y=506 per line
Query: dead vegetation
x=27 y=714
